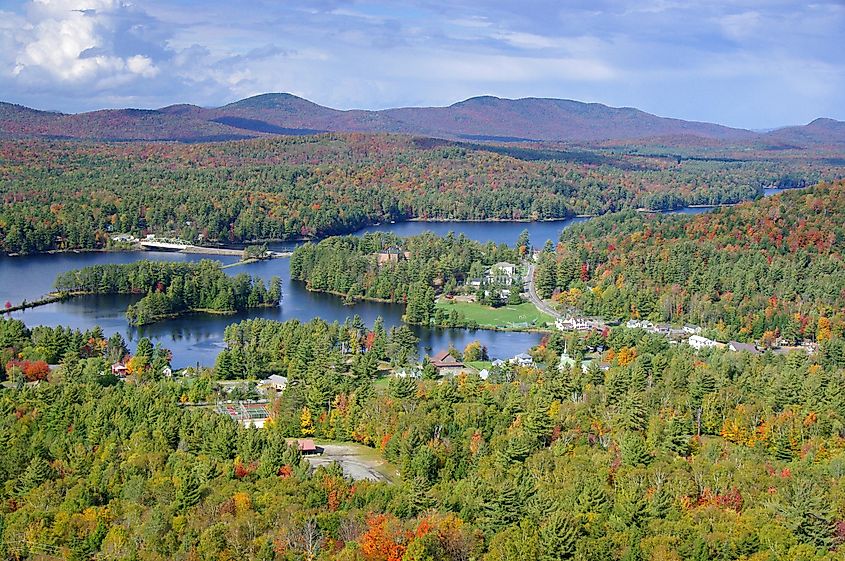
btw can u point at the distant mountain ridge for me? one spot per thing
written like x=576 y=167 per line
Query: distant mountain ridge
x=478 y=118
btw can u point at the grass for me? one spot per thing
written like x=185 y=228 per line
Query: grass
x=505 y=317
x=480 y=364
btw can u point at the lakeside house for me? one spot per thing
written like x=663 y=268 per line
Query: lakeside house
x=446 y=364
x=120 y=369
x=502 y=273
x=522 y=359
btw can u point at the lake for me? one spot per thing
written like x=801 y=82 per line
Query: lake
x=198 y=338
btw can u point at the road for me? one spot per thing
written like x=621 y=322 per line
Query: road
x=535 y=298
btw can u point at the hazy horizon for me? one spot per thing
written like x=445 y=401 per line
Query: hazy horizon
x=755 y=64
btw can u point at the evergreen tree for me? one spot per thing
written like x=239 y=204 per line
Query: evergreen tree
x=37 y=472
x=559 y=536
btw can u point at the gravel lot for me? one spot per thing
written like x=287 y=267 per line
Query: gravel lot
x=358 y=462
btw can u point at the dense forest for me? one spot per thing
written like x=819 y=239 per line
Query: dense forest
x=668 y=455
x=65 y=195
x=172 y=288
x=762 y=270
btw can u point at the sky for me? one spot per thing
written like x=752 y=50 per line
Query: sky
x=746 y=63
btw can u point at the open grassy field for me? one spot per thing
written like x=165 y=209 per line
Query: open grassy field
x=505 y=317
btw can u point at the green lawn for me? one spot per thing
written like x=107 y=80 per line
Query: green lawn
x=504 y=317
x=480 y=364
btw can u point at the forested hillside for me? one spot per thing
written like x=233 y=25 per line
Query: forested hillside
x=64 y=195
x=770 y=268
x=669 y=455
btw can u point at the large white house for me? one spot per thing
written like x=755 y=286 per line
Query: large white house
x=698 y=342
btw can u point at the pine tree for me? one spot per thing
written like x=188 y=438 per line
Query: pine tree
x=187 y=491
x=593 y=498
x=559 y=536
x=145 y=348
x=634 y=452
x=37 y=472
x=545 y=274
x=503 y=508
x=402 y=387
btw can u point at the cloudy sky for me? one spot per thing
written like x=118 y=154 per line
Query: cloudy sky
x=747 y=63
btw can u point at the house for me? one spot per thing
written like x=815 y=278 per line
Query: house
x=167 y=372
x=307 y=446
x=662 y=329
x=119 y=369
x=639 y=324
x=573 y=324
x=698 y=342
x=502 y=273
x=445 y=363
x=392 y=255
x=522 y=359
x=692 y=329
x=736 y=347
x=579 y=324
x=498 y=363
x=275 y=382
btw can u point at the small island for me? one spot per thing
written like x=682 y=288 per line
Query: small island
x=172 y=289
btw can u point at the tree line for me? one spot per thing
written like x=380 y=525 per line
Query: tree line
x=75 y=195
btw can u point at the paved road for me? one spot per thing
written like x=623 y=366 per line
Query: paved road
x=535 y=298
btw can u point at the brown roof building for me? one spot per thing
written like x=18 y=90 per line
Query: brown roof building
x=446 y=363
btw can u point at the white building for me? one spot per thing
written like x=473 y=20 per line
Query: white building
x=698 y=342
x=639 y=324
x=502 y=273
x=484 y=374
x=522 y=359
x=275 y=382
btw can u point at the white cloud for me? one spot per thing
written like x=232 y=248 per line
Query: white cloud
x=74 y=41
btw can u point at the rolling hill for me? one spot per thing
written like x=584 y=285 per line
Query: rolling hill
x=483 y=118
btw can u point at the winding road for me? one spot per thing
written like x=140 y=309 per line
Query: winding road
x=535 y=298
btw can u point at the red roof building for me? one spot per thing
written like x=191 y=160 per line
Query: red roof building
x=307 y=446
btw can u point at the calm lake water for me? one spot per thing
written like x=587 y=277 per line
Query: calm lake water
x=198 y=338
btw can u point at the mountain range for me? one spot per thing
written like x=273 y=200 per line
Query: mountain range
x=484 y=118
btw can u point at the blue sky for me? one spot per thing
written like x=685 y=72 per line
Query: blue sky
x=746 y=63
